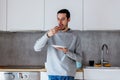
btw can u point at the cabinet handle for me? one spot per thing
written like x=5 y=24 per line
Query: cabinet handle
x=22 y=76
x=11 y=75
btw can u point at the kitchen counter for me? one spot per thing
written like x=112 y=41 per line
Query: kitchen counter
x=40 y=70
x=26 y=68
x=21 y=68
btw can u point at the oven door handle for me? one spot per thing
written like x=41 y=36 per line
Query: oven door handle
x=11 y=75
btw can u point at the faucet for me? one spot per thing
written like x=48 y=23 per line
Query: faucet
x=102 y=54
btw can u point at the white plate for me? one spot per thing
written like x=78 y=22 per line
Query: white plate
x=58 y=46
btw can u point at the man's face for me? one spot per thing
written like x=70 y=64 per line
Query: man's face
x=62 y=20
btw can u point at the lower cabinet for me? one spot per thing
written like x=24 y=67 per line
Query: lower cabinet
x=78 y=76
x=19 y=75
x=102 y=74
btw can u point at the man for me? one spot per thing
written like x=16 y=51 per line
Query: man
x=61 y=61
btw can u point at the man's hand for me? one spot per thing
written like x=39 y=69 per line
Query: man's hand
x=53 y=31
x=62 y=49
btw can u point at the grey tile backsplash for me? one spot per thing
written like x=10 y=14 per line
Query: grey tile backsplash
x=16 y=48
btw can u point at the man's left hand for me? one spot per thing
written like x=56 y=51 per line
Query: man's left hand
x=65 y=50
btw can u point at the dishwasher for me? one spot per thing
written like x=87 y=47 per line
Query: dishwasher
x=19 y=75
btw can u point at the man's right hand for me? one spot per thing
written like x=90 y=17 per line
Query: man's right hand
x=53 y=31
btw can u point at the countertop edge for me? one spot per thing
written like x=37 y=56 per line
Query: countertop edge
x=22 y=70
x=30 y=70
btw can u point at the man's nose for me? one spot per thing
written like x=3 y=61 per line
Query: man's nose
x=60 y=21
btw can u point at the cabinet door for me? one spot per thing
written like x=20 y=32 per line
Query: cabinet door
x=102 y=74
x=101 y=14
x=25 y=15
x=2 y=15
x=53 y=6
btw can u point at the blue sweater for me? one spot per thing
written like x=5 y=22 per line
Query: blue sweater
x=59 y=63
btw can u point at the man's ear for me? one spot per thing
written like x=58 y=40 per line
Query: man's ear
x=68 y=19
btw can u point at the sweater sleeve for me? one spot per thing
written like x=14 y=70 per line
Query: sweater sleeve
x=40 y=43
x=77 y=53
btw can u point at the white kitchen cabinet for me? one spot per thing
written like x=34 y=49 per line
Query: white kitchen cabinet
x=101 y=15
x=53 y=6
x=25 y=15
x=2 y=15
x=78 y=76
x=102 y=74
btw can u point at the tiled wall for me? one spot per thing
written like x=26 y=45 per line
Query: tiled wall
x=16 y=48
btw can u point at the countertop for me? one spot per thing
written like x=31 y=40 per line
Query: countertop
x=22 y=68
x=26 y=69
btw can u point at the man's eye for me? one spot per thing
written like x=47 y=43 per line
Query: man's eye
x=61 y=19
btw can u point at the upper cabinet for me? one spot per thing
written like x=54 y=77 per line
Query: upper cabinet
x=101 y=15
x=2 y=15
x=25 y=15
x=53 y=6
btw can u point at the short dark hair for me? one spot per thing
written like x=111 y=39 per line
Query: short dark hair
x=64 y=11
